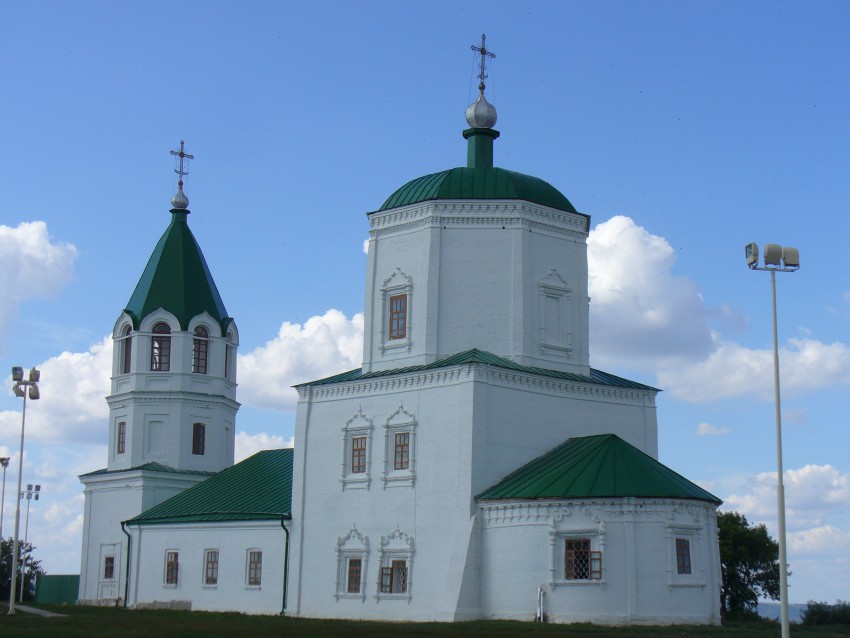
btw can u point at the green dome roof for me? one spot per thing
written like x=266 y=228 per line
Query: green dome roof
x=177 y=279
x=487 y=182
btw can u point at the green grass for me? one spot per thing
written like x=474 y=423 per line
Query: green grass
x=93 y=622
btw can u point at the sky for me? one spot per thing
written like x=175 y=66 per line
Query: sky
x=684 y=129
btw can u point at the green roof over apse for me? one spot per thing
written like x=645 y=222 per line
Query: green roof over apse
x=177 y=279
x=479 y=183
x=257 y=489
x=602 y=466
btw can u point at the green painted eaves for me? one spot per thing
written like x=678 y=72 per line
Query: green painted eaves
x=596 y=377
x=601 y=466
x=479 y=183
x=153 y=466
x=177 y=279
x=258 y=488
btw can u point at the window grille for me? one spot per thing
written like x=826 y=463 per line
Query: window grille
x=398 y=316
x=171 y=567
x=580 y=562
x=211 y=568
x=121 y=438
x=109 y=568
x=161 y=348
x=358 y=454
x=394 y=578
x=255 y=568
x=200 y=347
x=402 y=451
x=355 y=566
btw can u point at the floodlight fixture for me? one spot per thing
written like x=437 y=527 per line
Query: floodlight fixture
x=752 y=252
x=17 y=373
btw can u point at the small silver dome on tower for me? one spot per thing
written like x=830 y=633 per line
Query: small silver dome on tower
x=180 y=201
x=481 y=114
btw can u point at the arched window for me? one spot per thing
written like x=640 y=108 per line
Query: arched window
x=126 y=349
x=200 y=347
x=161 y=348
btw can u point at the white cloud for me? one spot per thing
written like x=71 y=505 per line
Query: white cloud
x=706 y=429
x=733 y=370
x=821 y=540
x=73 y=407
x=641 y=313
x=325 y=345
x=32 y=266
x=366 y=246
x=249 y=444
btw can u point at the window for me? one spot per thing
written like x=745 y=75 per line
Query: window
x=211 y=567
x=394 y=578
x=352 y=551
x=199 y=434
x=683 y=556
x=200 y=346
x=161 y=348
x=171 y=567
x=109 y=568
x=229 y=354
x=398 y=317
x=401 y=459
x=121 y=438
x=355 y=569
x=358 y=454
x=255 y=567
x=126 y=350
x=396 y=561
x=580 y=562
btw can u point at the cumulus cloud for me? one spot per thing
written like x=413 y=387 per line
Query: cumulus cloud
x=706 y=429
x=733 y=370
x=641 y=313
x=76 y=384
x=813 y=495
x=249 y=444
x=821 y=540
x=323 y=346
x=32 y=266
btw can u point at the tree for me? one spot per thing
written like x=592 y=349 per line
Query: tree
x=749 y=561
x=28 y=566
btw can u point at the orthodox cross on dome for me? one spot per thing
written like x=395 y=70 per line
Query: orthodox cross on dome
x=484 y=55
x=180 y=200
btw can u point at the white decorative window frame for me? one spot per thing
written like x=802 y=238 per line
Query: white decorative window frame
x=356 y=426
x=352 y=545
x=397 y=283
x=396 y=546
x=560 y=533
x=553 y=286
x=693 y=534
x=399 y=422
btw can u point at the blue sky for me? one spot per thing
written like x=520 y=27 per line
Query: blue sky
x=685 y=130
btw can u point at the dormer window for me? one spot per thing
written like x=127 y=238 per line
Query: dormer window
x=200 y=347
x=126 y=349
x=161 y=348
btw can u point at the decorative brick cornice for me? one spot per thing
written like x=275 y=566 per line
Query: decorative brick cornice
x=119 y=401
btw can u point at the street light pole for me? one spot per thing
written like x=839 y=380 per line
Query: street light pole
x=20 y=389
x=5 y=463
x=790 y=262
x=29 y=494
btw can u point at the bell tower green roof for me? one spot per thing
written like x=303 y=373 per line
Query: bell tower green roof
x=177 y=279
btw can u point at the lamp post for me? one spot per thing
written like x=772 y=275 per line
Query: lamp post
x=19 y=387
x=782 y=259
x=29 y=494
x=4 y=461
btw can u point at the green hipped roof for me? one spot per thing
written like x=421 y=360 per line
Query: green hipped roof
x=479 y=183
x=602 y=466
x=257 y=489
x=177 y=279
x=480 y=356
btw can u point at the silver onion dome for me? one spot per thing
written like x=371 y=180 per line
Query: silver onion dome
x=481 y=114
x=180 y=201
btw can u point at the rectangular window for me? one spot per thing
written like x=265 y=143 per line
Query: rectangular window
x=198 y=438
x=121 y=438
x=398 y=317
x=355 y=569
x=358 y=455
x=211 y=567
x=171 y=568
x=109 y=568
x=255 y=568
x=394 y=578
x=580 y=563
x=401 y=459
x=683 y=556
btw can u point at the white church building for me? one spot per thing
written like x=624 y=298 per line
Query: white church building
x=475 y=466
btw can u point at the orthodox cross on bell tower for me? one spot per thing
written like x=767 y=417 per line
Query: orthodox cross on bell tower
x=179 y=170
x=482 y=75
